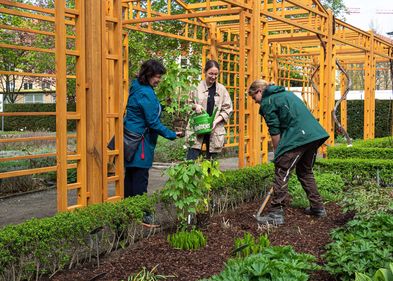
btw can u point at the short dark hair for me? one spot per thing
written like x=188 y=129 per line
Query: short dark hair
x=149 y=69
x=211 y=63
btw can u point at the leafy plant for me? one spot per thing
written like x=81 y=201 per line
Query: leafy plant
x=248 y=245
x=188 y=187
x=363 y=245
x=272 y=263
x=382 y=274
x=174 y=90
x=330 y=186
x=366 y=201
x=187 y=240
x=148 y=275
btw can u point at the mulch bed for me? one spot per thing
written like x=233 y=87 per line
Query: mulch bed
x=306 y=234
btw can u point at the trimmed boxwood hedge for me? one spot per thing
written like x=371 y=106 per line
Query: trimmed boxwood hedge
x=344 y=152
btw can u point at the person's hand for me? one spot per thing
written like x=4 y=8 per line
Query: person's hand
x=179 y=134
x=198 y=108
x=216 y=121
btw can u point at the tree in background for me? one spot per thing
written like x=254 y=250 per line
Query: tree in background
x=337 y=6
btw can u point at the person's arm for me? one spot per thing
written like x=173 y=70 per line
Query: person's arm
x=151 y=110
x=275 y=140
x=226 y=110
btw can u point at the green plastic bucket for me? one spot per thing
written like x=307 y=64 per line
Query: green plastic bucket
x=202 y=123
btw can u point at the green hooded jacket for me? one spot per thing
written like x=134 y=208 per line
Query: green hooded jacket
x=287 y=115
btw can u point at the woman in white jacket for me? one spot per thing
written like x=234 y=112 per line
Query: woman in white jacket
x=208 y=96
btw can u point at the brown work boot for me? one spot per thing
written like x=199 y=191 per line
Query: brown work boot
x=316 y=212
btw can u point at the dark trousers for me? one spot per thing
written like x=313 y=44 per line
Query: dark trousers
x=135 y=181
x=302 y=159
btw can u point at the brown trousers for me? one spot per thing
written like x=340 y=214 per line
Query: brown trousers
x=302 y=158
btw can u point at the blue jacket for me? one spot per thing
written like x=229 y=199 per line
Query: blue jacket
x=143 y=111
x=287 y=115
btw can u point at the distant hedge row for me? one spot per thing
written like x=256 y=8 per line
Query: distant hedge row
x=355 y=118
x=34 y=123
x=383 y=118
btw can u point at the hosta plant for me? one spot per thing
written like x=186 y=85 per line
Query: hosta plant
x=382 y=274
x=248 y=245
x=187 y=240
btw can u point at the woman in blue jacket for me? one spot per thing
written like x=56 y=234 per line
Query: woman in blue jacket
x=143 y=117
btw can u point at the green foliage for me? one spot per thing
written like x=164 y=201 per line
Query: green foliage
x=358 y=171
x=241 y=185
x=344 y=152
x=248 y=245
x=330 y=186
x=187 y=240
x=363 y=245
x=44 y=246
x=169 y=151
x=188 y=187
x=355 y=116
x=272 y=263
x=148 y=275
x=382 y=274
x=368 y=200
x=34 y=123
x=174 y=89
x=386 y=142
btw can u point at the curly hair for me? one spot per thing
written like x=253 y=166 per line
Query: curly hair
x=149 y=69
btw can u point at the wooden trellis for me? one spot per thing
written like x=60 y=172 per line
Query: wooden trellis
x=251 y=39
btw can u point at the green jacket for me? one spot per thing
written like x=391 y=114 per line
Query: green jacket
x=287 y=115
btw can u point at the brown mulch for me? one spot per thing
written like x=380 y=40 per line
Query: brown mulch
x=304 y=233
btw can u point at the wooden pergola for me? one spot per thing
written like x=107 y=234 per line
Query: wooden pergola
x=251 y=39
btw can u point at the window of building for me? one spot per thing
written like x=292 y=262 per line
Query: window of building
x=28 y=86
x=34 y=98
x=45 y=85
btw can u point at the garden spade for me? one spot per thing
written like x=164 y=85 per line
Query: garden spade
x=265 y=200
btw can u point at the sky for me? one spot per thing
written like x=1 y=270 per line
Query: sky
x=368 y=14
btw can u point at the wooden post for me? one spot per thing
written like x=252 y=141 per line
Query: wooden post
x=94 y=141
x=369 y=91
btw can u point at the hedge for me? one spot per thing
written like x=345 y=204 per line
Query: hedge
x=358 y=171
x=386 y=142
x=34 y=123
x=44 y=246
x=344 y=152
x=355 y=118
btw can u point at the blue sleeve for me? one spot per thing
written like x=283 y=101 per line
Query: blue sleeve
x=151 y=109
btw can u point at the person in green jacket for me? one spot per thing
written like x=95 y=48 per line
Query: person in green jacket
x=296 y=137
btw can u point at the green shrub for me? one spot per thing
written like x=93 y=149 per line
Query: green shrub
x=170 y=151
x=366 y=201
x=363 y=245
x=273 y=263
x=241 y=185
x=358 y=171
x=355 y=116
x=343 y=152
x=187 y=240
x=248 y=245
x=44 y=246
x=330 y=186
x=385 y=142
x=34 y=123
x=382 y=274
